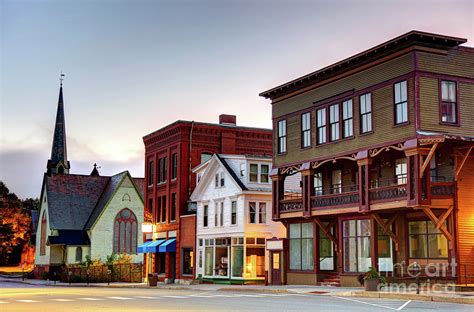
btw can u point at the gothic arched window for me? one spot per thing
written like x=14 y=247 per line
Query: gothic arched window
x=125 y=232
x=43 y=235
x=78 y=254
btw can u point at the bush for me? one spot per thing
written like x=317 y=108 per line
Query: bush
x=371 y=274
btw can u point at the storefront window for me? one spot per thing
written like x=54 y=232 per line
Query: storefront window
x=188 y=261
x=209 y=257
x=254 y=257
x=426 y=241
x=237 y=257
x=160 y=264
x=384 y=249
x=301 y=247
x=356 y=247
x=221 y=259
x=326 y=252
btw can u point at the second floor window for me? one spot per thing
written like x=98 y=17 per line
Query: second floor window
x=401 y=170
x=448 y=102
x=321 y=125
x=306 y=130
x=318 y=184
x=173 y=207
x=282 y=136
x=151 y=173
x=174 y=166
x=233 y=216
x=365 y=113
x=347 y=119
x=205 y=216
x=334 y=122
x=257 y=216
x=401 y=106
x=264 y=173
x=262 y=212
x=162 y=170
x=253 y=173
x=337 y=181
x=219 y=180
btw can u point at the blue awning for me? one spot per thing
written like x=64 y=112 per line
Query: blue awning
x=153 y=247
x=168 y=246
x=141 y=248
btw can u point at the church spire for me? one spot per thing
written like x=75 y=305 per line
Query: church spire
x=58 y=163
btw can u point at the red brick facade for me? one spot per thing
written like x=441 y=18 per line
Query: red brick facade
x=186 y=142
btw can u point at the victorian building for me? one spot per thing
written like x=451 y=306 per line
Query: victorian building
x=233 y=197
x=85 y=215
x=383 y=142
x=170 y=154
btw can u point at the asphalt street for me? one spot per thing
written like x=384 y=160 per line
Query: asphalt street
x=20 y=297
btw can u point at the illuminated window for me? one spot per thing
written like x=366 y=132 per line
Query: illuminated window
x=448 y=102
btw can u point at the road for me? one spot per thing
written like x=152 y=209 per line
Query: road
x=20 y=297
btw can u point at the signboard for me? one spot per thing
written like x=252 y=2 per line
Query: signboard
x=274 y=244
x=147 y=228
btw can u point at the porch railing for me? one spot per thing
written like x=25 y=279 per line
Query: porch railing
x=292 y=204
x=388 y=189
x=442 y=189
x=340 y=199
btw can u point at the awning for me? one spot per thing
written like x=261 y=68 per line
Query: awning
x=153 y=247
x=168 y=246
x=141 y=248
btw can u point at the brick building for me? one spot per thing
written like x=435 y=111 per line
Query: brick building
x=170 y=154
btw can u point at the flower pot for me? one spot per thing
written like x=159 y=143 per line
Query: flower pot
x=372 y=284
x=152 y=280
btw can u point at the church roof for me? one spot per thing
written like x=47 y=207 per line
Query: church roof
x=59 y=149
x=70 y=237
x=75 y=201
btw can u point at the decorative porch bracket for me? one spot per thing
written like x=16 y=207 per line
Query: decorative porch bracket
x=327 y=232
x=427 y=161
x=458 y=170
x=439 y=223
x=386 y=228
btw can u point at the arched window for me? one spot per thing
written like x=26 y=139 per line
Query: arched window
x=43 y=235
x=78 y=254
x=125 y=232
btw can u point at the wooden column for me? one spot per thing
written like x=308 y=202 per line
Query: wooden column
x=278 y=192
x=308 y=187
x=363 y=161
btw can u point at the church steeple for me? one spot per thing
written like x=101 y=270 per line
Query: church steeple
x=58 y=163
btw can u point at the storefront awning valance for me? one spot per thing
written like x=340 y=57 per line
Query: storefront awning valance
x=153 y=247
x=141 y=248
x=168 y=246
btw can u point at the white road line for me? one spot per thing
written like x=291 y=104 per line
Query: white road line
x=62 y=300
x=120 y=298
x=26 y=301
x=367 y=303
x=404 y=305
x=253 y=296
x=1 y=302
x=200 y=296
x=177 y=297
x=146 y=297
x=91 y=299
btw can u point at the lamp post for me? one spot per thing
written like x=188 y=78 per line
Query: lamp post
x=109 y=273
x=23 y=271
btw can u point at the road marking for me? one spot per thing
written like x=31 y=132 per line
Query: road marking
x=177 y=297
x=91 y=299
x=146 y=297
x=120 y=298
x=62 y=300
x=253 y=296
x=374 y=304
x=3 y=302
x=200 y=296
x=26 y=301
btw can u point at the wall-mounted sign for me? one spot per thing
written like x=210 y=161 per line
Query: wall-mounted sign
x=274 y=244
x=147 y=228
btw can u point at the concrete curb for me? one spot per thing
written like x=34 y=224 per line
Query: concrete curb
x=259 y=290
x=420 y=297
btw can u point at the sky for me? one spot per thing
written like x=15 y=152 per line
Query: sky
x=132 y=67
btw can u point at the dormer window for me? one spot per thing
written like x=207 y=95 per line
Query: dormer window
x=259 y=173
x=253 y=173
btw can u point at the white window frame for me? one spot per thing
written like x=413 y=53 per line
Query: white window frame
x=400 y=91
x=282 y=136
x=306 y=130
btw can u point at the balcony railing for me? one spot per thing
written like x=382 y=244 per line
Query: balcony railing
x=338 y=195
x=388 y=189
x=442 y=189
x=292 y=204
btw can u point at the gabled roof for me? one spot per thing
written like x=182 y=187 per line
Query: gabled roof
x=231 y=172
x=76 y=201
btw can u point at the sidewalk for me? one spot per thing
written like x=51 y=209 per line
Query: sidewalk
x=425 y=295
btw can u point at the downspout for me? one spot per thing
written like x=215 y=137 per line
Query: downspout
x=189 y=157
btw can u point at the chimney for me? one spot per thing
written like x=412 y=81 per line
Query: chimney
x=227 y=120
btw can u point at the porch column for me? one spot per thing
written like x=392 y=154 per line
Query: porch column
x=308 y=187
x=363 y=161
x=278 y=192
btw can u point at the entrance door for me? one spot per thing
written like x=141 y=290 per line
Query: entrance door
x=173 y=266
x=276 y=268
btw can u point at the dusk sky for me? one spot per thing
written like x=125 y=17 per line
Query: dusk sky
x=134 y=66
